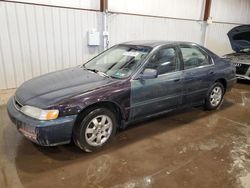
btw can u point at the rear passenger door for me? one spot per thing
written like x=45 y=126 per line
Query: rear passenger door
x=197 y=74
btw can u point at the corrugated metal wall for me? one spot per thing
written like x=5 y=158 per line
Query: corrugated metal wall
x=131 y=27
x=216 y=38
x=86 y=4
x=37 y=38
x=231 y=11
x=191 y=9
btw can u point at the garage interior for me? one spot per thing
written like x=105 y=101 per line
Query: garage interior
x=189 y=148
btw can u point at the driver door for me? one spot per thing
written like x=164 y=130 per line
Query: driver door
x=163 y=93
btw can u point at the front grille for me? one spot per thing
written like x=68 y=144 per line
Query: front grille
x=241 y=69
x=17 y=104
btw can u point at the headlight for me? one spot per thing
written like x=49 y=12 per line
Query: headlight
x=39 y=113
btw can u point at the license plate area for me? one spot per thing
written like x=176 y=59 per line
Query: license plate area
x=27 y=130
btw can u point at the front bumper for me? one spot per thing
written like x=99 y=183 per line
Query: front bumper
x=45 y=133
x=243 y=77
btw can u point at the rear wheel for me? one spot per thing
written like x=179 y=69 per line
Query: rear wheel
x=95 y=130
x=215 y=96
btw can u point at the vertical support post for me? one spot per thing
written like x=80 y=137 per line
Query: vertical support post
x=103 y=5
x=105 y=34
x=207 y=10
x=206 y=18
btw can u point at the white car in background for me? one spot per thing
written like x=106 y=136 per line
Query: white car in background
x=240 y=41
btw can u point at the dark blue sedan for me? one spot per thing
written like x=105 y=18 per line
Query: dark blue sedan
x=128 y=82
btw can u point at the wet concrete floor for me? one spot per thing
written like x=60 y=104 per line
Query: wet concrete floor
x=193 y=148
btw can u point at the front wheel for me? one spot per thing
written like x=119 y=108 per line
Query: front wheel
x=215 y=96
x=95 y=130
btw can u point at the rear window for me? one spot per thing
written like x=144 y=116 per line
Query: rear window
x=193 y=57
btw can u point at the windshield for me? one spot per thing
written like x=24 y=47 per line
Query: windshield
x=119 y=61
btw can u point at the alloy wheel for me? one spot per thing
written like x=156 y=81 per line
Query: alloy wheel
x=216 y=96
x=98 y=130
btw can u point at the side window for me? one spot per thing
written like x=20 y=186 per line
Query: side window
x=193 y=57
x=165 y=60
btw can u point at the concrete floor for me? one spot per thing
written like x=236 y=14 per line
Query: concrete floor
x=187 y=149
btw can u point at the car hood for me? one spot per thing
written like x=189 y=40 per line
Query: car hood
x=239 y=37
x=48 y=89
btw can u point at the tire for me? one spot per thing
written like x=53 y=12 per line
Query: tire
x=215 y=96
x=96 y=129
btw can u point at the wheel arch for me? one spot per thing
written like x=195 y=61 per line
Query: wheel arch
x=102 y=104
x=223 y=81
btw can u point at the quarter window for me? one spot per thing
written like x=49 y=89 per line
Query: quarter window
x=193 y=57
x=165 y=60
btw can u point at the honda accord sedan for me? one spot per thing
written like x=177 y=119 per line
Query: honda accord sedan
x=126 y=83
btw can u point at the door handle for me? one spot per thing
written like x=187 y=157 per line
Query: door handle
x=211 y=72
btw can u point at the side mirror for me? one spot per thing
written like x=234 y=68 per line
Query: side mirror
x=149 y=73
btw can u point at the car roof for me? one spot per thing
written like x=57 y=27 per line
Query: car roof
x=154 y=43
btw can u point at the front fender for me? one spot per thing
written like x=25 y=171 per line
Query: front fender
x=119 y=95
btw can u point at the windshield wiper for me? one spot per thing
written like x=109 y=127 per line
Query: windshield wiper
x=103 y=74
x=97 y=71
x=92 y=70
